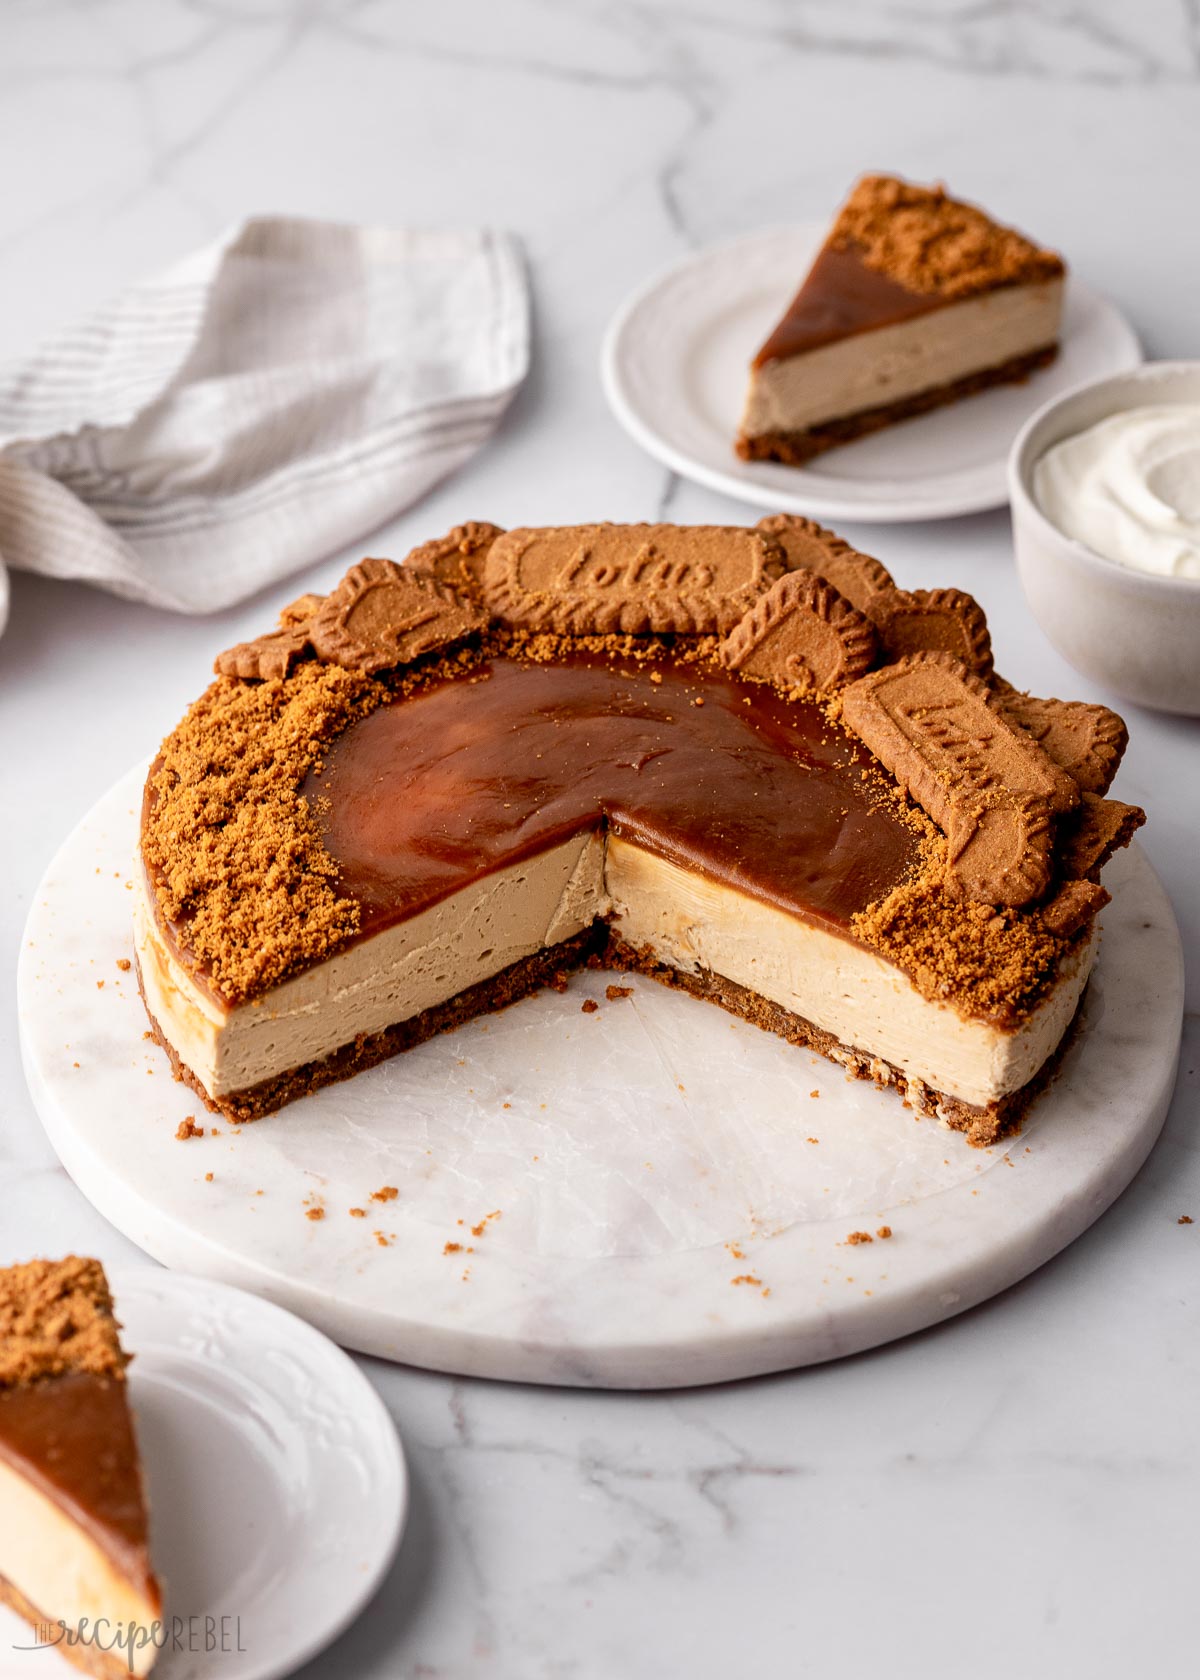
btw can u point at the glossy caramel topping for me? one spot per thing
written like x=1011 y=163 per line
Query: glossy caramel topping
x=840 y=297
x=72 y=1436
x=474 y=773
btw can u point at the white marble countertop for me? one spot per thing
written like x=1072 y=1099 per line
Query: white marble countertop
x=1014 y=1492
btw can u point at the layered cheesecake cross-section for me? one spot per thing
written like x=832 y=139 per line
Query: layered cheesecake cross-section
x=699 y=753
x=74 y=1539
x=914 y=300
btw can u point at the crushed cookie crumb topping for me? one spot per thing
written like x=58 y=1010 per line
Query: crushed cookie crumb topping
x=926 y=240
x=231 y=849
x=56 y=1316
x=249 y=895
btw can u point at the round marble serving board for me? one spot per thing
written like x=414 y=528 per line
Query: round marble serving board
x=650 y=1195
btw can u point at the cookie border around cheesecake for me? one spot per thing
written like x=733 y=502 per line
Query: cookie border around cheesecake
x=996 y=932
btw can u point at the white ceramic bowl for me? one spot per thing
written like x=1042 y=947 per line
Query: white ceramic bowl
x=1133 y=632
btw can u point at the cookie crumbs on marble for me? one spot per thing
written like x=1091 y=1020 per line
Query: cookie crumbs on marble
x=857 y=1238
x=385 y=1193
x=589 y=1006
x=187 y=1128
x=56 y=1316
x=615 y=993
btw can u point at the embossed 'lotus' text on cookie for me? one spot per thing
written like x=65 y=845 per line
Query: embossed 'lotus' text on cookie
x=808 y=546
x=932 y=621
x=935 y=715
x=801 y=635
x=989 y=788
x=1086 y=741
x=382 y=615
x=636 y=579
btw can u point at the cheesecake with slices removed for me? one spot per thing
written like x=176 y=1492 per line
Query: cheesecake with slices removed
x=74 y=1533
x=914 y=300
x=739 y=760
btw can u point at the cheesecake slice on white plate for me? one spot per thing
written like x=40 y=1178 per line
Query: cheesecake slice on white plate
x=914 y=300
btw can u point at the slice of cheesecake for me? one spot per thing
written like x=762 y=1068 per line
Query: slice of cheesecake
x=74 y=1545
x=680 y=750
x=914 y=300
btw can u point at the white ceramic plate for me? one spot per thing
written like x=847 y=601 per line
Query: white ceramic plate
x=649 y=1195
x=674 y=367
x=277 y=1485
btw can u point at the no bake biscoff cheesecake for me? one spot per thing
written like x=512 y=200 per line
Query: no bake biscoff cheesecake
x=740 y=761
x=914 y=300
x=73 y=1529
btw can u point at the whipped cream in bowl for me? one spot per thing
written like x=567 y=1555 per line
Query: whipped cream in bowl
x=1104 y=484
x=1128 y=488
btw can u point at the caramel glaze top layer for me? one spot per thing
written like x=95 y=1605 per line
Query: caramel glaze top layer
x=72 y=1436
x=841 y=297
x=474 y=773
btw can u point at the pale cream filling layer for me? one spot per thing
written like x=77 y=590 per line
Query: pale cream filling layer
x=693 y=923
x=696 y=925
x=66 y=1577
x=378 y=982
x=892 y=364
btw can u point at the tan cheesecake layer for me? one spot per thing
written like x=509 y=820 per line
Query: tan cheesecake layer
x=52 y=1572
x=425 y=795
x=655 y=915
x=915 y=300
x=892 y=365
x=73 y=1523
x=739 y=837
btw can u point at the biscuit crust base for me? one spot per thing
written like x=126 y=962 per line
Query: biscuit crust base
x=599 y=947
x=793 y=449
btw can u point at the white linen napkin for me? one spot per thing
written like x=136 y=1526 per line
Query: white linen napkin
x=263 y=403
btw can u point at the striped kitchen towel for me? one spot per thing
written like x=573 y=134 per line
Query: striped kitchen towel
x=265 y=402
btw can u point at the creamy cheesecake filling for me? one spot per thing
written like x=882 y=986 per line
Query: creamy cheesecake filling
x=695 y=924
x=379 y=981
x=64 y=1575
x=686 y=919
x=893 y=363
